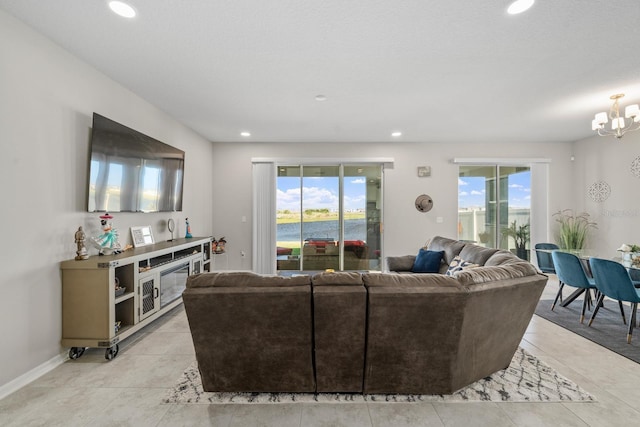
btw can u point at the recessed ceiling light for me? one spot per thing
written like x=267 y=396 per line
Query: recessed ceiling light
x=396 y=134
x=321 y=98
x=519 y=6
x=122 y=9
x=245 y=134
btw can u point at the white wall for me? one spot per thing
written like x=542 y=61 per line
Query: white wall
x=405 y=229
x=618 y=217
x=47 y=98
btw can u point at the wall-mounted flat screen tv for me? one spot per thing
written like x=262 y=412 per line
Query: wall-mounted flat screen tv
x=132 y=172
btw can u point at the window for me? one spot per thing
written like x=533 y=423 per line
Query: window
x=328 y=217
x=494 y=206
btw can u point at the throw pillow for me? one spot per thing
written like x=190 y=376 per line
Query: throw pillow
x=458 y=264
x=427 y=261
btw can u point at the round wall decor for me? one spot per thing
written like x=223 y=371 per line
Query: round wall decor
x=424 y=203
x=599 y=191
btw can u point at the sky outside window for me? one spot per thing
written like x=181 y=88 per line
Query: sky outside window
x=472 y=193
x=321 y=193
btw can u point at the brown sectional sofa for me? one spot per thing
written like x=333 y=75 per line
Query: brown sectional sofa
x=363 y=333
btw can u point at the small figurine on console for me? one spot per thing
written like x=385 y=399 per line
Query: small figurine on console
x=188 y=235
x=107 y=243
x=220 y=246
x=82 y=252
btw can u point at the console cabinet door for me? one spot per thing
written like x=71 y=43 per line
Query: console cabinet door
x=149 y=295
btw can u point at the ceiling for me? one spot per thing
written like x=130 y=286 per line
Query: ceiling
x=436 y=70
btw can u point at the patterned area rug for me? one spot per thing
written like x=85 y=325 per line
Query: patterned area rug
x=526 y=380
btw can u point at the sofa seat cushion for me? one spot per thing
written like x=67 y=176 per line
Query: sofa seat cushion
x=495 y=273
x=421 y=280
x=340 y=278
x=427 y=261
x=238 y=279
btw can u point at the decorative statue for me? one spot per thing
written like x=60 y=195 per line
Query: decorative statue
x=188 y=235
x=81 y=253
x=107 y=243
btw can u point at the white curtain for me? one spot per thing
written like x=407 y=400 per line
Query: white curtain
x=264 y=218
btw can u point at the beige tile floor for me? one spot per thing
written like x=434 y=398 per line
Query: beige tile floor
x=128 y=390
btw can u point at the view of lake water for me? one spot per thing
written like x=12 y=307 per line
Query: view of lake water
x=354 y=229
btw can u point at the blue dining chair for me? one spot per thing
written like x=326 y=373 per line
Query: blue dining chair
x=543 y=255
x=570 y=271
x=613 y=281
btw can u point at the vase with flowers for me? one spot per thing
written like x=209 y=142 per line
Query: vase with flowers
x=630 y=254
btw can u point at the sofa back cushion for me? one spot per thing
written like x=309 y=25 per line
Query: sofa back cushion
x=340 y=278
x=450 y=247
x=486 y=274
x=423 y=280
x=241 y=279
x=477 y=254
x=502 y=257
x=252 y=339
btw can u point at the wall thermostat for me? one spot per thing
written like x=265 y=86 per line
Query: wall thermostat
x=424 y=171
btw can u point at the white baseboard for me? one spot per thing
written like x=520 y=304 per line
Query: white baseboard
x=32 y=375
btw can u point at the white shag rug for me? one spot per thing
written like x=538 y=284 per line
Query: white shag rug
x=527 y=379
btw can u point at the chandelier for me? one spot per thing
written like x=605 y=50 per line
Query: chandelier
x=618 y=124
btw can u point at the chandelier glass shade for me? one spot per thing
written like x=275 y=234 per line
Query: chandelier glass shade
x=619 y=125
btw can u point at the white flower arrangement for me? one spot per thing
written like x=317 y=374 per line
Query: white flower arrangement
x=629 y=248
x=630 y=255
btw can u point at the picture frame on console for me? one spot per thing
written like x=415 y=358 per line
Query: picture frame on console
x=142 y=236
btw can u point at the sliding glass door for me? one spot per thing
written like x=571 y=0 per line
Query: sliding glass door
x=328 y=217
x=494 y=206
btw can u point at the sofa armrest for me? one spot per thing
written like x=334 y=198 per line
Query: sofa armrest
x=400 y=263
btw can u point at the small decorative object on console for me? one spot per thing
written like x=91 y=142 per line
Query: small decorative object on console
x=142 y=235
x=220 y=245
x=119 y=289
x=107 y=243
x=188 y=234
x=81 y=253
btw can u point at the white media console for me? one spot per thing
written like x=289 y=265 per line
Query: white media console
x=153 y=278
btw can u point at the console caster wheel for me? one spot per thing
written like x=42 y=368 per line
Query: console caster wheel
x=75 y=352
x=111 y=352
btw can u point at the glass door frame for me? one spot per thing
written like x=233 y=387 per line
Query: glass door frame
x=341 y=206
x=496 y=201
